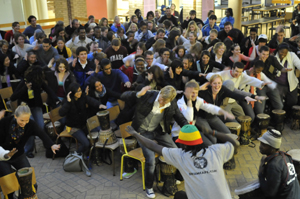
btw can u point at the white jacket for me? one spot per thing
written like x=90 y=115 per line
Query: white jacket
x=77 y=42
x=2 y=153
x=138 y=36
x=265 y=79
x=293 y=61
x=188 y=112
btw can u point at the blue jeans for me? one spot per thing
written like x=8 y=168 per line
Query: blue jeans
x=214 y=123
x=37 y=116
x=274 y=98
x=252 y=112
x=83 y=140
x=164 y=140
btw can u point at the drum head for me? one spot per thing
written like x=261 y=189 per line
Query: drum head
x=234 y=125
x=162 y=159
x=244 y=118
x=248 y=187
x=263 y=116
x=24 y=171
x=102 y=113
x=278 y=111
x=296 y=107
x=295 y=153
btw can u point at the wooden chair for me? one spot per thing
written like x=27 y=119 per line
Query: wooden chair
x=92 y=123
x=135 y=153
x=121 y=104
x=6 y=93
x=113 y=114
x=9 y=184
x=54 y=116
x=44 y=96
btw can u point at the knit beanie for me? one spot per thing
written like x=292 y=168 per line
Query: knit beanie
x=272 y=138
x=189 y=135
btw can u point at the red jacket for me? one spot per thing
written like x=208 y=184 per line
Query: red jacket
x=9 y=35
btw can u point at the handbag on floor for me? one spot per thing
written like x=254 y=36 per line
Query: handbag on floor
x=74 y=163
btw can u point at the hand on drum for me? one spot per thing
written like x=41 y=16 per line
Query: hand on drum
x=260 y=98
x=102 y=106
x=55 y=147
x=228 y=115
x=130 y=130
x=11 y=153
x=249 y=99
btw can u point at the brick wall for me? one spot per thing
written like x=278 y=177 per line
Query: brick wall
x=78 y=8
x=135 y=4
x=61 y=10
x=187 y=6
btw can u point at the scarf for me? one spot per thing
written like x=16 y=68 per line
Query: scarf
x=102 y=93
x=63 y=52
x=16 y=132
x=258 y=76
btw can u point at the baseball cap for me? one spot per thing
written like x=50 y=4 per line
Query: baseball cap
x=272 y=138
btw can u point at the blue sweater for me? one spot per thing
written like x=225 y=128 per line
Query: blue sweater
x=29 y=31
x=111 y=82
x=207 y=28
x=224 y=20
x=114 y=28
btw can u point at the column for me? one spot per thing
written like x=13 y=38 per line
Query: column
x=30 y=8
x=236 y=6
x=42 y=9
x=112 y=9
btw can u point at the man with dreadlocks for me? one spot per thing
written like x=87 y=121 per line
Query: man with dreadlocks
x=201 y=167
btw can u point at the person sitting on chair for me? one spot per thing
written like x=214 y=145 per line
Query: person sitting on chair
x=14 y=133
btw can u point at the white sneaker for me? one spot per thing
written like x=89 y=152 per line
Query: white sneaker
x=150 y=193
x=129 y=175
x=178 y=182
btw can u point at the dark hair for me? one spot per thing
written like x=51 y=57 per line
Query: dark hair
x=15 y=24
x=168 y=8
x=60 y=39
x=88 y=29
x=29 y=53
x=47 y=41
x=176 y=63
x=232 y=47
x=61 y=61
x=115 y=42
x=259 y=64
x=283 y=45
x=132 y=16
x=81 y=28
x=35 y=75
x=227 y=23
x=104 y=62
x=101 y=22
x=264 y=48
x=160 y=30
x=142 y=46
x=40 y=35
x=209 y=12
x=2 y=60
x=120 y=30
x=142 y=23
x=239 y=65
x=212 y=17
x=129 y=32
x=230 y=11
x=73 y=88
x=149 y=13
x=74 y=20
x=158 y=75
x=92 y=83
x=58 y=30
x=192 y=12
x=167 y=23
x=103 y=28
x=81 y=49
x=189 y=57
x=253 y=30
x=205 y=52
x=99 y=56
x=148 y=52
x=234 y=33
x=194 y=149
x=31 y=17
x=162 y=50
x=17 y=35
x=110 y=35
x=91 y=17
x=178 y=48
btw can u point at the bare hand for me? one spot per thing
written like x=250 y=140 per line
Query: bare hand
x=171 y=73
x=73 y=38
x=150 y=76
x=11 y=153
x=202 y=75
x=87 y=91
x=130 y=130
x=228 y=115
x=210 y=48
x=174 y=48
x=189 y=101
x=2 y=113
x=25 y=57
x=102 y=106
x=97 y=69
x=89 y=72
x=74 y=62
x=144 y=90
x=55 y=147
x=68 y=96
x=284 y=70
x=54 y=39
x=260 y=98
x=249 y=99
x=294 y=38
x=187 y=18
x=127 y=84
x=266 y=83
x=204 y=86
x=17 y=56
x=29 y=85
x=179 y=92
x=36 y=47
x=14 y=41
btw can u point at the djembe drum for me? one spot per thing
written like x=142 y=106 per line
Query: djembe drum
x=295 y=153
x=168 y=177
x=234 y=127
x=50 y=130
x=250 y=190
x=263 y=122
x=25 y=180
x=103 y=117
x=278 y=117
x=107 y=137
x=296 y=118
x=129 y=163
x=245 y=122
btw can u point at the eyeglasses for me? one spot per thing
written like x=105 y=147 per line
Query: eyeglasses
x=107 y=68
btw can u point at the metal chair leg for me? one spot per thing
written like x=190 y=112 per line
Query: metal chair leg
x=121 y=172
x=90 y=155
x=143 y=175
x=113 y=162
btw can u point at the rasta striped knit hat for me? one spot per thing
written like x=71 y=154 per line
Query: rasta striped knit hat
x=189 y=135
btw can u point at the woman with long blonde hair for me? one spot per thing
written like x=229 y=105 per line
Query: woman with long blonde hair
x=133 y=27
x=192 y=27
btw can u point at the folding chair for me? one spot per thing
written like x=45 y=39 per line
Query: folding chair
x=6 y=93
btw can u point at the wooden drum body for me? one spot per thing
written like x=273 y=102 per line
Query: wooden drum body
x=25 y=180
x=103 y=117
x=107 y=135
x=296 y=118
x=278 y=117
x=130 y=145
x=245 y=122
x=295 y=153
x=263 y=122
x=165 y=168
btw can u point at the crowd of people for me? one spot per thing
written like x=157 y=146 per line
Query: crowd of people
x=182 y=79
